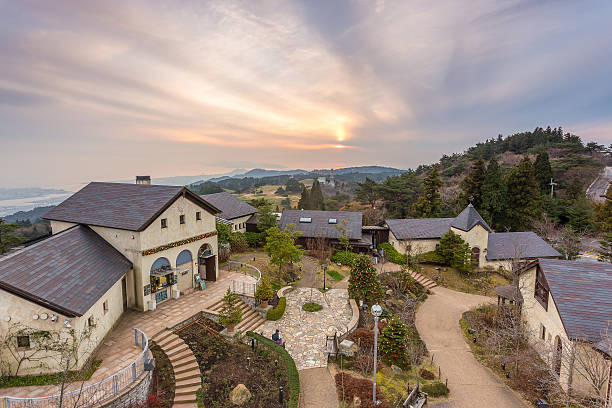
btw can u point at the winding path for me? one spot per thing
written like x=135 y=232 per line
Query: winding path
x=472 y=385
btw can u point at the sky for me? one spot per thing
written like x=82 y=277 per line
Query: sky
x=106 y=90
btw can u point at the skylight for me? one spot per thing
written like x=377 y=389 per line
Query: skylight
x=306 y=219
x=333 y=221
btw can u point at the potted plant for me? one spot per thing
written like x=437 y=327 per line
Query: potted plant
x=231 y=314
x=264 y=292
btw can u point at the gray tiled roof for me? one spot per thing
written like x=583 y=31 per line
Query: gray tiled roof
x=419 y=228
x=67 y=272
x=582 y=292
x=468 y=218
x=523 y=245
x=605 y=346
x=231 y=207
x=120 y=205
x=320 y=226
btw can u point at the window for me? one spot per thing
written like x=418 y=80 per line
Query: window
x=198 y=216
x=91 y=322
x=164 y=223
x=181 y=219
x=542 y=332
x=23 y=341
x=105 y=306
x=541 y=289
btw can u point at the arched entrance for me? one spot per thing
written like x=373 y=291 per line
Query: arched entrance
x=476 y=256
x=558 y=355
x=162 y=278
x=184 y=266
x=207 y=265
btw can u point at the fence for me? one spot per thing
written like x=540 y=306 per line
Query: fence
x=245 y=287
x=92 y=394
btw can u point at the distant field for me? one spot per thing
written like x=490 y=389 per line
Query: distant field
x=267 y=192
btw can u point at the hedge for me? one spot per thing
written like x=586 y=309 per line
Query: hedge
x=436 y=389
x=278 y=311
x=344 y=257
x=392 y=255
x=431 y=258
x=293 y=378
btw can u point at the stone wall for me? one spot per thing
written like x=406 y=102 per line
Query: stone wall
x=135 y=394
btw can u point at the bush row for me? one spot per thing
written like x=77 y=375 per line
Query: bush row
x=293 y=378
x=278 y=311
x=392 y=254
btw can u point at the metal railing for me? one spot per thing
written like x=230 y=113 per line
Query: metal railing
x=92 y=394
x=245 y=287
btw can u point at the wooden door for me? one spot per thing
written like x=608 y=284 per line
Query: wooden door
x=211 y=268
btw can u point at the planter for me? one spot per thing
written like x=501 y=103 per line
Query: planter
x=264 y=304
x=230 y=328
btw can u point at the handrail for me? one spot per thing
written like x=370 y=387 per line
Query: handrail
x=244 y=267
x=92 y=394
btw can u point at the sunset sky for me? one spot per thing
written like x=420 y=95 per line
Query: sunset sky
x=106 y=90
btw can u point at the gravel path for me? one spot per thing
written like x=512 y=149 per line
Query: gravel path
x=472 y=385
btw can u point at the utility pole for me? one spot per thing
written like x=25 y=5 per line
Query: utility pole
x=552 y=185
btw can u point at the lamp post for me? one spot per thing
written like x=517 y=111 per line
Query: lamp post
x=376 y=312
x=324 y=273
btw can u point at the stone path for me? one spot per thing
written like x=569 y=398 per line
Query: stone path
x=472 y=385
x=304 y=332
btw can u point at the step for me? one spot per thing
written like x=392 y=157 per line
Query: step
x=186 y=368
x=170 y=342
x=185 y=405
x=190 y=382
x=190 y=390
x=246 y=322
x=178 y=350
x=180 y=356
x=184 y=399
x=187 y=375
x=183 y=360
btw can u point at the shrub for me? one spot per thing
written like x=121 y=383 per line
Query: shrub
x=255 y=239
x=432 y=258
x=238 y=242
x=393 y=344
x=363 y=283
x=455 y=252
x=392 y=254
x=427 y=375
x=363 y=337
x=435 y=389
x=360 y=387
x=230 y=314
x=311 y=307
x=293 y=378
x=278 y=311
x=264 y=291
x=344 y=257
x=337 y=276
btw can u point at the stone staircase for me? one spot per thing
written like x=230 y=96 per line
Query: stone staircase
x=186 y=370
x=250 y=318
x=426 y=282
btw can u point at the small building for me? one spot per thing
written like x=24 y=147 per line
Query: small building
x=489 y=249
x=567 y=306
x=315 y=224
x=234 y=210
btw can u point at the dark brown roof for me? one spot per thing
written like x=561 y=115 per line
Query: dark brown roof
x=508 y=292
x=419 y=228
x=67 y=272
x=231 y=207
x=582 y=292
x=520 y=245
x=320 y=225
x=120 y=205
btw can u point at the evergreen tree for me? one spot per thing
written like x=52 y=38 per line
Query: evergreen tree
x=543 y=171
x=471 y=185
x=493 y=194
x=363 y=282
x=367 y=192
x=400 y=193
x=316 y=196
x=304 y=203
x=266 y=219
x=230 y=313
x=605 y=253
x=455 y=252
x=293 y=186
x=392 y=344
x=429 y=204
x=604 y=213
x=524 y=197
x=7 y=238
x=581 y=215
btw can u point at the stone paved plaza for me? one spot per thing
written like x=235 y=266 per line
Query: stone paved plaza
x=304 y=332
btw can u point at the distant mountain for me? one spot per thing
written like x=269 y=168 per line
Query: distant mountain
x=30 y=192
x=185 y=180
x=360 y=169
x=259 y=173
x=31 y=215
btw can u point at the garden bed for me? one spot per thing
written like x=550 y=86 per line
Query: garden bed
x=480 y=282
x=225 y=364
x=162 y=382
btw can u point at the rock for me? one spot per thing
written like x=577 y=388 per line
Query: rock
x=240 y=395
x=396 y=369
x=389 y=292
x=356 y=401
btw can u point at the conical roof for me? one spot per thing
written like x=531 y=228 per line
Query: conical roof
x=468 y=218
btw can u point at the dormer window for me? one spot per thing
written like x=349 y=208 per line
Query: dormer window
x=181 y=219
x=332 y=221
x=305 y=220
x=164 y=223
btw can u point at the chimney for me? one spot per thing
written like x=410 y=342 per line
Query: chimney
x=143 y=179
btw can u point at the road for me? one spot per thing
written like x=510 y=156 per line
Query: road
x=472 y=385
x=599 y=187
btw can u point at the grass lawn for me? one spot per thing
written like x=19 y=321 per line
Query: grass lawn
x=480 y=283
x=337 y=276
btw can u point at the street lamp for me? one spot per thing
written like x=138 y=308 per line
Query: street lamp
x=376 y=312
x=324 y=273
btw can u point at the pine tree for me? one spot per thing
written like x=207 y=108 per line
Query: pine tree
x=392 y=344
x=543 y=171
x=472 y=184
x=493 y=194
x=7 y=238
x=581 y=215
x=429 y=204
x=604 y=213
x=524 y=197
x=605 y=253
x=304 y=203
x=367 y=192
x=230 y=314
x=316 y=196
x=363 y=282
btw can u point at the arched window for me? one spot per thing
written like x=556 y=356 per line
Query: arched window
x=160 y=265
x=183 y=258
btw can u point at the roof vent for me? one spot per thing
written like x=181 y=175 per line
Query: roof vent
x=332 y=221
x=306 y=219
x=143 y=179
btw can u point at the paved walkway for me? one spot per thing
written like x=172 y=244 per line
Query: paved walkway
x=318 y=389
x=304 y=332
x=472 y=385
